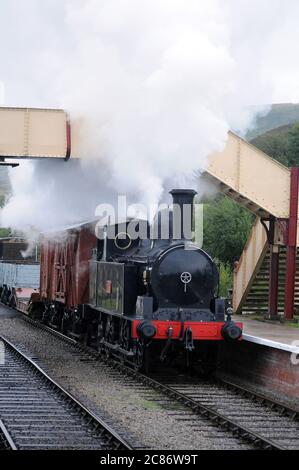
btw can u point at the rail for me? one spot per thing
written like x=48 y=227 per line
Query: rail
x=218 y=418
x=6 y=441
x=53 y=402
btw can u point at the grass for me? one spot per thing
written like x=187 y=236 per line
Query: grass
x=292 y=324
x=151 y=405
x=283 y=322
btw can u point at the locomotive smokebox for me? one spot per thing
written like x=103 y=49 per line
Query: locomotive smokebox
x=183 y=213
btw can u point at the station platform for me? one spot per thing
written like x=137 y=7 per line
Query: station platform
x=267 y=360
x=278 y=336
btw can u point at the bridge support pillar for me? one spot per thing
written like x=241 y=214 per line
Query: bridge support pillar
x=291 y=246
x=273 y=284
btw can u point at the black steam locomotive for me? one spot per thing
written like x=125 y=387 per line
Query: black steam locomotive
x=156 y=296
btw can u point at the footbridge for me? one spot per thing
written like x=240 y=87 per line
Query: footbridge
x=34 y=133
x=265 y=277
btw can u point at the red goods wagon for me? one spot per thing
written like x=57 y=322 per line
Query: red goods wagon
x=65 y=265
x=46 y=264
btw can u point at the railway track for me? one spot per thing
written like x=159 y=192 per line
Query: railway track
x=36 y=413
x=248 y=416
x=6 y=441
x=263 y=422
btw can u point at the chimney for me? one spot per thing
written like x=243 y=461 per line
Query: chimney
x=183 y=209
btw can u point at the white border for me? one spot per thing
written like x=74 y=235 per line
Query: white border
x=272 y=344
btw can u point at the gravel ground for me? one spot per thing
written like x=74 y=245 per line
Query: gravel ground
x=141 y=415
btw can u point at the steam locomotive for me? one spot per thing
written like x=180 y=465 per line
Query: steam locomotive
x=136 y=298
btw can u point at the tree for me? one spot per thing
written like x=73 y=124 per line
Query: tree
x=282 y=144
x=274 y=143
x=293 y=146
x=4 y=232
x=226 y=229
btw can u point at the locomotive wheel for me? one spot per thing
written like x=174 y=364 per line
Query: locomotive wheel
x=110 y=331
x=100 y=334
x=108 y=336
x=124 y=335
x=141 y=356
x=138 y=350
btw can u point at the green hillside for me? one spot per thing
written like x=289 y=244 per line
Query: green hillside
x=280 y=115
x=282 y=144
x=275 y=143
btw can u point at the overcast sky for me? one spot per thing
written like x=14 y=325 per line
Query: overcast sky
x=37 y=43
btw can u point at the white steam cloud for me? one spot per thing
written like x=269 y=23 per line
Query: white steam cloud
x=158 y=84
